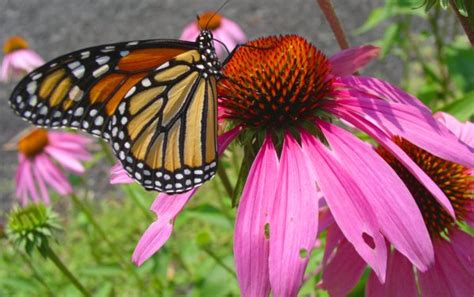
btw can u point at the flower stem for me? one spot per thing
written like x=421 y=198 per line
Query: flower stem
x=219 y=261
x=336 y=26
x=60 y=265
x=466 y=22
x=222 y=173
x=36 y=275
x=113 y=248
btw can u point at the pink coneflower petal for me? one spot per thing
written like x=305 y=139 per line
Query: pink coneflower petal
x=364 y=86
x=348 y=61
x=348 y=205
x=221 y=35
x=400 y=280
x=448 y=275
x=398 y=215
x=166 y=207
x=41 y=185
x=293 y=221
x=65 y=159
x=346 y=266
x=388 y=144
x=6 y=69
x=251 y=245
x=52 y=175
x=190 y=32
x=118 y=175
x=463 y=244
x=464 y=131
x=413 y=124
x=30 y=186
x=60 y=137
x=25 y=59
x=233 y=30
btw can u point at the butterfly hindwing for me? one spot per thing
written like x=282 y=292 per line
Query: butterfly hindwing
x=155 y=101
x=157 y=132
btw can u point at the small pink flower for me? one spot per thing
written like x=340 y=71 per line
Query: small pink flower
x=18 y=58
x=453 y=271
x=39 y=154
x=223 y=29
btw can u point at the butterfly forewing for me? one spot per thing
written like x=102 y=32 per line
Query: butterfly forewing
x=154 y=101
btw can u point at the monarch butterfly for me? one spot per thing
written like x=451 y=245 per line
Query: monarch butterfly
x=155 y=101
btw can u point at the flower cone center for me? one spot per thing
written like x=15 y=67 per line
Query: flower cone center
x=453 y=179
x=274 y=82
x=33 y=143
x=14 y=43
x=209 y=20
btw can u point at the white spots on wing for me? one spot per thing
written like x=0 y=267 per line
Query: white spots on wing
x=121 y=108
x=85 y=55
x=102 y=60
x=99 y=121
x=79 y=112
x=79 y=71
x=126 y=145
x=179 y=176
x=167 y=177
x=18 y=99
x=116 y=146
x=164 y=65
x=146 y=82
x=159 y=174
x=122 y=155
x=121 y=135
x=124 y=120
x=74 y=65
x=57 y=114
x=178 y=186
x=76 y=94
x=130 y=92
x=114 y=131
x=27 y=114
x=93 y=112
x=36 y=76
x=200 y=66
x=198 y=172
x=33 y=100
x=124 y=53
x=132 y=43
x=31 y=87
x=108 y=48
x=53 y=65
x=101 y=70
x=43 y=110
x=197 y=180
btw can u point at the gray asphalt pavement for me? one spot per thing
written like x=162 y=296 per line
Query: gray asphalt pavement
x=55 y=27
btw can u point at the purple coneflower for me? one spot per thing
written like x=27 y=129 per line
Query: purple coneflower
x=223 y=29
x=39 y=154
x=18 y=58
x=452 y=273
x=285 y=95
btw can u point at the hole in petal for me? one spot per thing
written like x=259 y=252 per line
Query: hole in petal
x=369 y=240
x=303 y=253
x=267 y=231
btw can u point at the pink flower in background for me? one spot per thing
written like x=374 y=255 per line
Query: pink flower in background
x=166 y=207
x=39 y=153
x=453 y=271
x=223 y=29
x=18 y=58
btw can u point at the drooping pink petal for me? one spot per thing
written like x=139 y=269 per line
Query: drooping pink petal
x=463 y=245
x=30 y=186
x=343 y=266
x=52 y=175
x=233 y=30
x=397 y=213
x=448 y=275
x=348 y=206
x=293 y=221
x=41 y=186
x=166 y=207
x=65 y=159
x=350 y=60
x=25 y=59
x=413 y=124
x=118 y=175
x=388 y=144
x=363 y=86
x=464 y=131
x=251 y=245
x=400 y=279
x=222 y=36
x=190 y=32
x=5 y=70
x=61 y=137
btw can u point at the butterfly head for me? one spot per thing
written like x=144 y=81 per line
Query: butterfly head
x=205 y=42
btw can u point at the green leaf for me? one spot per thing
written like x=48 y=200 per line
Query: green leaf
x=390 y=38
x=375 y=18
x=461 y=7
x=463 y=109
x=460 y=62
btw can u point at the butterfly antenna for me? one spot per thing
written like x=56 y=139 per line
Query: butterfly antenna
x=223 y=44
x=216 y=12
